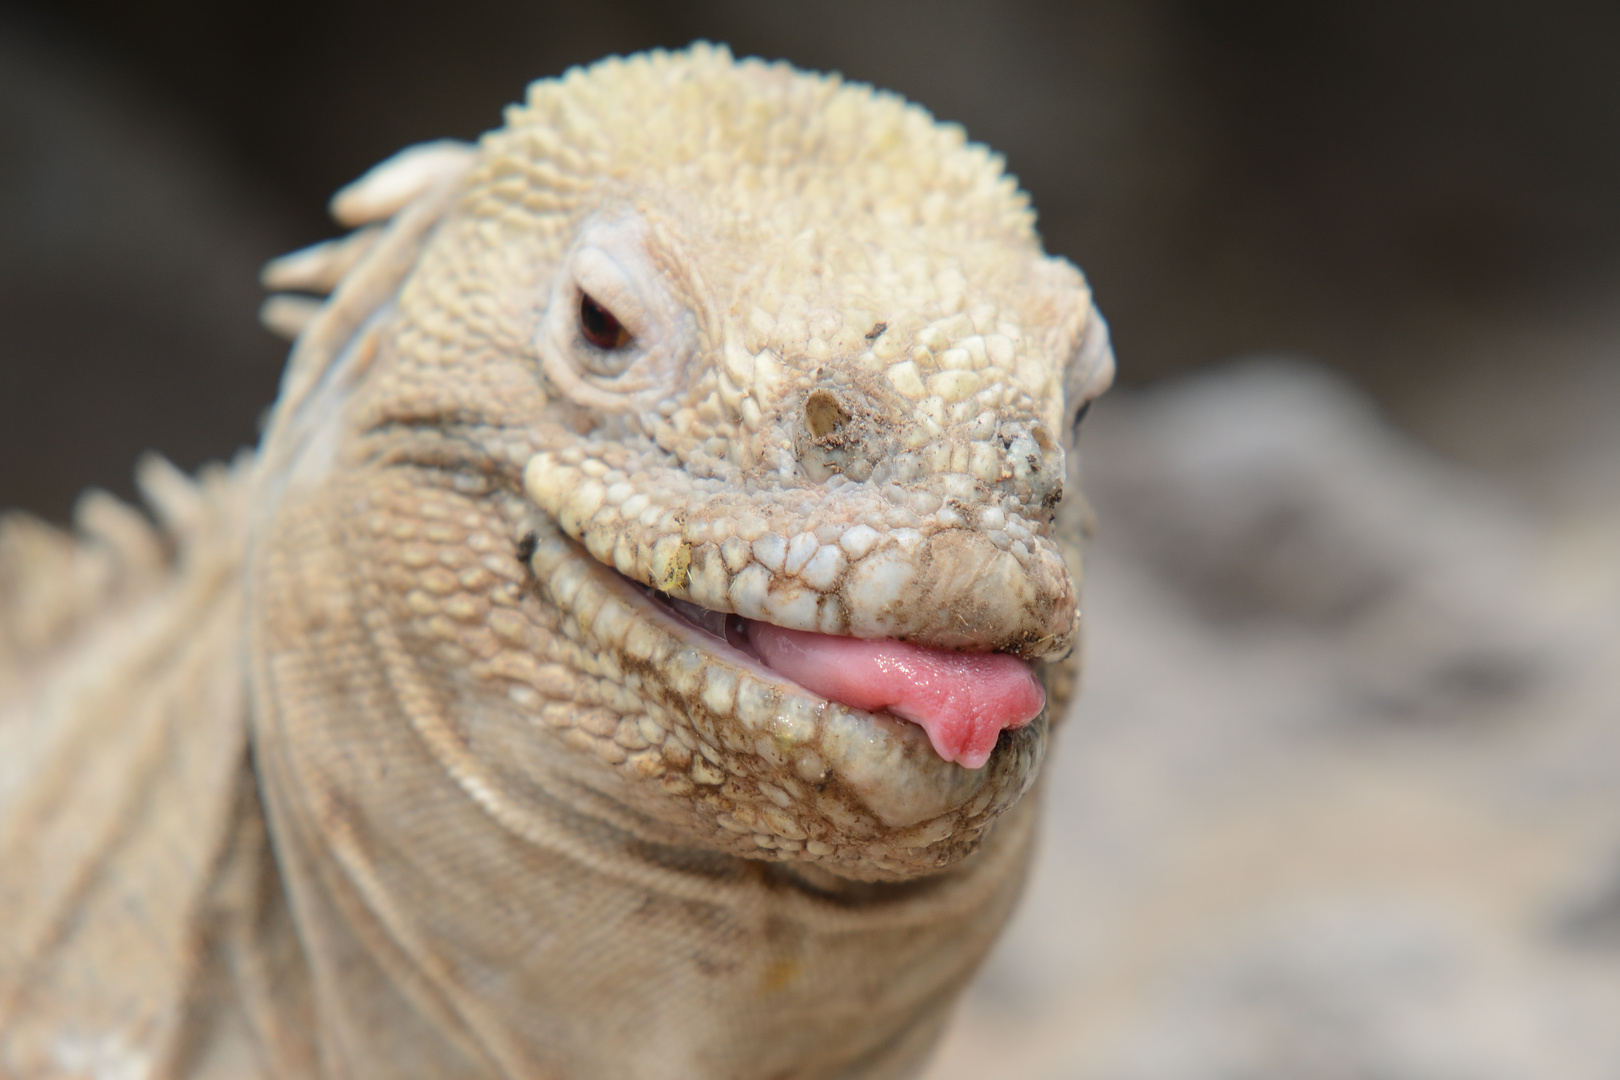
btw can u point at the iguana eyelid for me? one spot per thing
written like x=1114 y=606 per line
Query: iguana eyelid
x=611 y=263
x=598 y=275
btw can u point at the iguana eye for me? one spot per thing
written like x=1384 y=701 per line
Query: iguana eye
x=615 y=334
x=599 y=325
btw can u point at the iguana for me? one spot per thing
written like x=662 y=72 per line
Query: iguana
x=619 y=658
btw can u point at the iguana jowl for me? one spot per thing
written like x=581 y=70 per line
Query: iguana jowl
x=656 y=523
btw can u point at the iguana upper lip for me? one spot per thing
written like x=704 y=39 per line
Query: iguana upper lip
x=849 y=562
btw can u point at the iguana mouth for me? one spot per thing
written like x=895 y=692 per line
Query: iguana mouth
x=962 y=700
x=918 y=625
x=825 y=773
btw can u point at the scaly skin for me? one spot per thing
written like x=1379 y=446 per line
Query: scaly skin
x=527 y=819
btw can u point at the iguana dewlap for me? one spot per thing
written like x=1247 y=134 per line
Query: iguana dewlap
x=628 y=649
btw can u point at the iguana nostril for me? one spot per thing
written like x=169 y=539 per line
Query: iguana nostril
x=824 y=416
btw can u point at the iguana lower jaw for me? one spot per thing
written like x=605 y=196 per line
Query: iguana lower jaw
x=760 y=767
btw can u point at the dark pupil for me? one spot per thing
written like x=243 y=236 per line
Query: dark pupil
x=599 y=326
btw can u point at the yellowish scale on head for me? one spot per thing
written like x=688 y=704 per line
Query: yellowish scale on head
x=672 y=566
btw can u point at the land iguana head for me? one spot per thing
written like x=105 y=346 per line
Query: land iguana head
x=772 y=385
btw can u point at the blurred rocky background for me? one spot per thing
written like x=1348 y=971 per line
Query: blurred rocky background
x=1342 y=799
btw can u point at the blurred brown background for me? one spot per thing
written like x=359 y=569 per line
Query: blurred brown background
x=1341 y=800
x=1387 y=187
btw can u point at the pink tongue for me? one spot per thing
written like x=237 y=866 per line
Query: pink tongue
x=962 y=700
